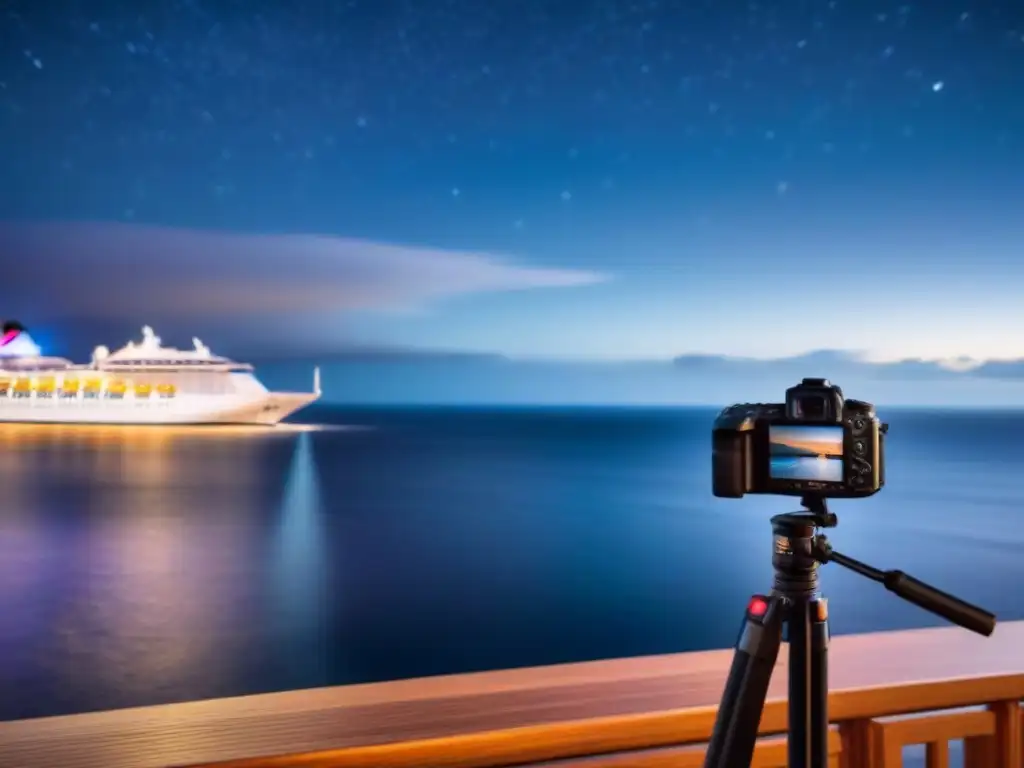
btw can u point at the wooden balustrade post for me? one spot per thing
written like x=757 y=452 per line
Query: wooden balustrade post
x=1007 y=746
x=936 y=754
x=886 y=750
x=979 y=752
x=858 y=743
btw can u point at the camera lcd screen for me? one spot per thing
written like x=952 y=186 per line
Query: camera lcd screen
x=799 y=452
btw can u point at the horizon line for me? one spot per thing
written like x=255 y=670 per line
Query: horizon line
x=956 y=364
x=498 y=405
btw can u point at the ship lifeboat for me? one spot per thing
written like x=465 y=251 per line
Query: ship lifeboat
x=92 y=387
x=166 y=390
x=143 y=390
x=23 y=387
x=115 y=389
x=5 y=386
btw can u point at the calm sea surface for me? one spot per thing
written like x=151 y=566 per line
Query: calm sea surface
x=143 y=566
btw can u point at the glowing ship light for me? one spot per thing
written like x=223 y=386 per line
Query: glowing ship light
x=17 y=343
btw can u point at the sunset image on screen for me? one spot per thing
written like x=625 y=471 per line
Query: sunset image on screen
x=806 y=453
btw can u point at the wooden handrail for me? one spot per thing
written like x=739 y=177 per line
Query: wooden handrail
x=879 y=745
x=650 y=712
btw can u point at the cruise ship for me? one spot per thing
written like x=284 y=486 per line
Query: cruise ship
x=142 y=383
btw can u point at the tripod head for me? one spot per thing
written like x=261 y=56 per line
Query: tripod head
x=817 y=508
x=800 y=549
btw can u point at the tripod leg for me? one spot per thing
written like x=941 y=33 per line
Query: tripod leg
x=739 y=714
x=819 y=681
x=808 y=683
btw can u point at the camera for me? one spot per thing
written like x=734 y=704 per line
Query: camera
x=816 y=443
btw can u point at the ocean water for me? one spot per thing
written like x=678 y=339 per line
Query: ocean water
x=143 y=566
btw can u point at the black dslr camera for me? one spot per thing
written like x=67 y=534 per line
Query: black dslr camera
x=816 y=443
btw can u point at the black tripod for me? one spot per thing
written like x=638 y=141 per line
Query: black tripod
x=796 y=603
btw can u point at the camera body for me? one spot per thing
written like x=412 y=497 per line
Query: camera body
x=816 y=443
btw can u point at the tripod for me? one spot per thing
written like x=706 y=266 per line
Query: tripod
x=796 y=604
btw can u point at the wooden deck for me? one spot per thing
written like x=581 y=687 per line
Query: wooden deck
x=528 y=715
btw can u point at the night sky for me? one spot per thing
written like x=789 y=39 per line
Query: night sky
x=560 y=179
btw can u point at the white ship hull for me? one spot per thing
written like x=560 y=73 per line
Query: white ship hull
x=143 y=383
x=267 y=410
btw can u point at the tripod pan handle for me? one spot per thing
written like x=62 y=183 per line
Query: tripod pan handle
x=940 y=603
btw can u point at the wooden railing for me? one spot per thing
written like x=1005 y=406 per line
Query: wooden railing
x=654 y=712
x=865 y=734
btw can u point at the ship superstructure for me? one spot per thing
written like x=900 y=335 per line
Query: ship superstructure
x=141 y=383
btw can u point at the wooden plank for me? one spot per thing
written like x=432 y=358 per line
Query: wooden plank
x=945 y=727
x=473 y=706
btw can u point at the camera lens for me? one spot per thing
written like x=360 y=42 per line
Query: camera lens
x=812 y=407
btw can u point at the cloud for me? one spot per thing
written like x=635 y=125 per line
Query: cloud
x=1000 y=369
x=124 y=272
x=837 y=364
x=699 y=380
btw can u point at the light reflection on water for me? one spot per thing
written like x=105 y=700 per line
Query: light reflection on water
x=127 y=554
x=298 y=565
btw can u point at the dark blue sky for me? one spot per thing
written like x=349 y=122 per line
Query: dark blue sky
x=754 y=179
